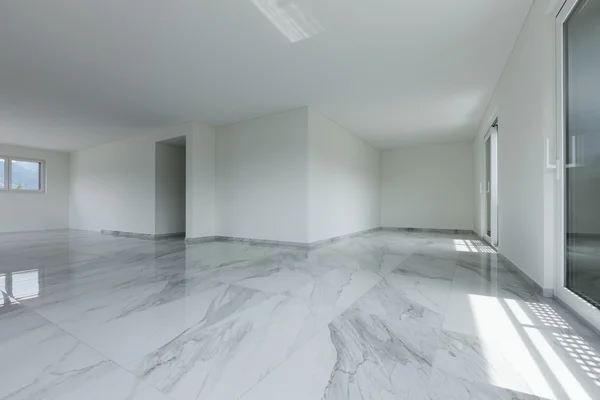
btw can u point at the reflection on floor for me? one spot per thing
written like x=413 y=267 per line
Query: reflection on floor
x=583 y=258
x=387 y=315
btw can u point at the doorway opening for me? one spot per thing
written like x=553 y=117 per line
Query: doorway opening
x=170 y=188
x=490 y=185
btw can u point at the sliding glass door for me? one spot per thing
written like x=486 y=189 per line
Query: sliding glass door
x=582 y=148
x=578 y=37
x=490 y=186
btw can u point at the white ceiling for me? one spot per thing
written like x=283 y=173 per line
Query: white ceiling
x=77 y=73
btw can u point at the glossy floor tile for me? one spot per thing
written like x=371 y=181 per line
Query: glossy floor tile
x=387 y=315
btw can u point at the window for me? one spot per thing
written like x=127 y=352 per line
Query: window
x=3 y=168
x=25 y=175
x=21 y=175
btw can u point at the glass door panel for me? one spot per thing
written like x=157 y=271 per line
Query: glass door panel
x=487 y=188
x=582 y=150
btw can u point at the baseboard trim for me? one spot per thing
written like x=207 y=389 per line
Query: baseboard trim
x=429 y=230
x=546 y=292
x=260 y=241
x=291 y=244
x=317 y=243
x=143 y=236
x=169 y=235
x=346 y=236
x=198 y=240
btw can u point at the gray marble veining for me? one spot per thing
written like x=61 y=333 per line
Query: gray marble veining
x=383 y=315
x=42 y=361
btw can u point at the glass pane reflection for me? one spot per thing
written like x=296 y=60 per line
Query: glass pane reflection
x=582 y=148
x=21 y=285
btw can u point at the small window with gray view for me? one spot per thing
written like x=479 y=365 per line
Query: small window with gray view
x=22 y=174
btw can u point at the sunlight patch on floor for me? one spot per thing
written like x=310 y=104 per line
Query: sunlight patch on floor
x=561 y=371
x=472 y=246
x=548 y=316
x=583 y=354
x=494 y=326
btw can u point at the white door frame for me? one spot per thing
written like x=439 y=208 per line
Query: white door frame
x=492 y=185
x=575 y=302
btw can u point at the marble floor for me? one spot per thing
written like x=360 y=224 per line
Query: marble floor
x=388 y=315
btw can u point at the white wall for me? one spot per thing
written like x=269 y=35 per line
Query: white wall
x=170 y=192
x=249 y=180
x=37 y=211
x=428 y=187
x=524 y=102
x=262 y=178
x=200 y=180
x=113 y=186
x=343 y=180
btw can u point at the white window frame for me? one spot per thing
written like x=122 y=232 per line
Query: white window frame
x=8 y=175
x=492 y=185
x=585 y=310
x=6 y=162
